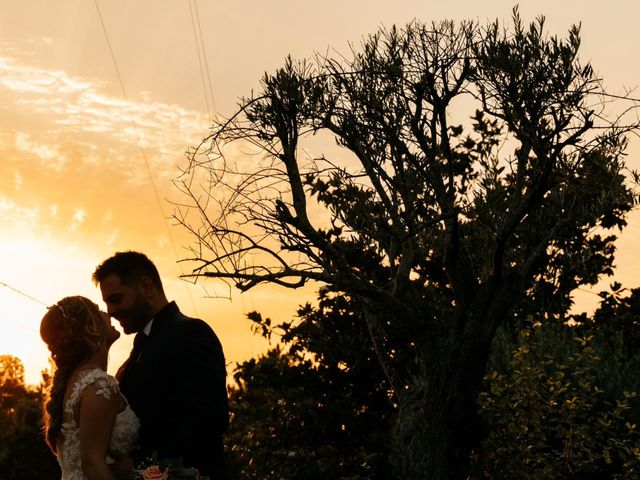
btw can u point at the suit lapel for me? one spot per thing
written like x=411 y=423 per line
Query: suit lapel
x=140 y=368
x=127 y=374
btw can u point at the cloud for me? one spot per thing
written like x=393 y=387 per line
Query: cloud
x=75 y=106
x=79 y=216
x=111 y=240
x=85 y=159
x=49 y=153
x=17 y=180
x=16 y=214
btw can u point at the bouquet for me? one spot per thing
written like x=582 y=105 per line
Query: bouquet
x=165 y=469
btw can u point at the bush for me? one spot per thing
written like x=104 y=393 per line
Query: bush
x=549 y=416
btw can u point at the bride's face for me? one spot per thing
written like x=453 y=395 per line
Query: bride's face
x=111 y=334
x=100 y=323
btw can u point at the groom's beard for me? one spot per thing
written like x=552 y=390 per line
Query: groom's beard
x=136 y=316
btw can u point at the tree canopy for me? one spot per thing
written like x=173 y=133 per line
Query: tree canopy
x=473 y=163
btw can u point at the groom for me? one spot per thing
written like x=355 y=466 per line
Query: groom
x=174 y=378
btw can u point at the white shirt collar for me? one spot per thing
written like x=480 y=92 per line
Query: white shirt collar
x=147 y=328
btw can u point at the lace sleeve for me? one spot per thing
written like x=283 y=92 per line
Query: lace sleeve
x=104 y=384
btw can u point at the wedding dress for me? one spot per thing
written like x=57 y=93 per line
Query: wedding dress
x=124 y=435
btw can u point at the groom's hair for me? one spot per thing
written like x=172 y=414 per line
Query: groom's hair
x=130 y=267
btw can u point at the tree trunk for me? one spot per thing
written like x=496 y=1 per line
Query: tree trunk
x=430 y=443
x=438 y=425
x=415 y=453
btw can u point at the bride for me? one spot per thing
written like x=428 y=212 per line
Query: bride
x=88 y=423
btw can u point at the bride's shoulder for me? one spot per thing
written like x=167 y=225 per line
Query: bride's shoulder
x=94 y=381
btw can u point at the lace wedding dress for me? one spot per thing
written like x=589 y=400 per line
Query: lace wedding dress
x=124 y=435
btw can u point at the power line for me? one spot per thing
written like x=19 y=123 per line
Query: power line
x=133 y=124
x=202 y=56
x=195 y=39
x=140 y=146
x=20 y=292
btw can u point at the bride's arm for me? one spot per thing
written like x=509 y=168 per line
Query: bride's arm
x=97 y=415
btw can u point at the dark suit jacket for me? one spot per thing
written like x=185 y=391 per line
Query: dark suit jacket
x=176 y=384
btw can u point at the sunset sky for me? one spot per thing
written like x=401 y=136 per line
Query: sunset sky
x=79 y=161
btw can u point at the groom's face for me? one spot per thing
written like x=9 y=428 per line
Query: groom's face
x=125 y=303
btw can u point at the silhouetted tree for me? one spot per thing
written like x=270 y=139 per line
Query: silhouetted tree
x=463 y=218
x=24 y=454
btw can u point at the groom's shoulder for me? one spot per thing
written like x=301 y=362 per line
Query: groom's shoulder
x=191 y=326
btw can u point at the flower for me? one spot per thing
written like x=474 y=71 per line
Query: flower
x=165 y=469
x=153 y=472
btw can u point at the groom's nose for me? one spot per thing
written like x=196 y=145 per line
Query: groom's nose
x=112 y=311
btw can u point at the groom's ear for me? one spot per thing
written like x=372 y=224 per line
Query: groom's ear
x=146 y=286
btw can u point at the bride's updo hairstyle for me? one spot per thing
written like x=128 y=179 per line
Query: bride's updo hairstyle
x=73 y=330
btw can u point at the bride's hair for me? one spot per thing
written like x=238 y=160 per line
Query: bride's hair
x=72 y=330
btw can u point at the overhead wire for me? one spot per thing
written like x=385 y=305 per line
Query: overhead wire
x=202 y=59
x=206 y=62
x=140 y=144
x=21 y=326
x=20 y=292
x=200 y=63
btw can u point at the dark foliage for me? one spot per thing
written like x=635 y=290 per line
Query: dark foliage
x=318 y=409
x=24 y=454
